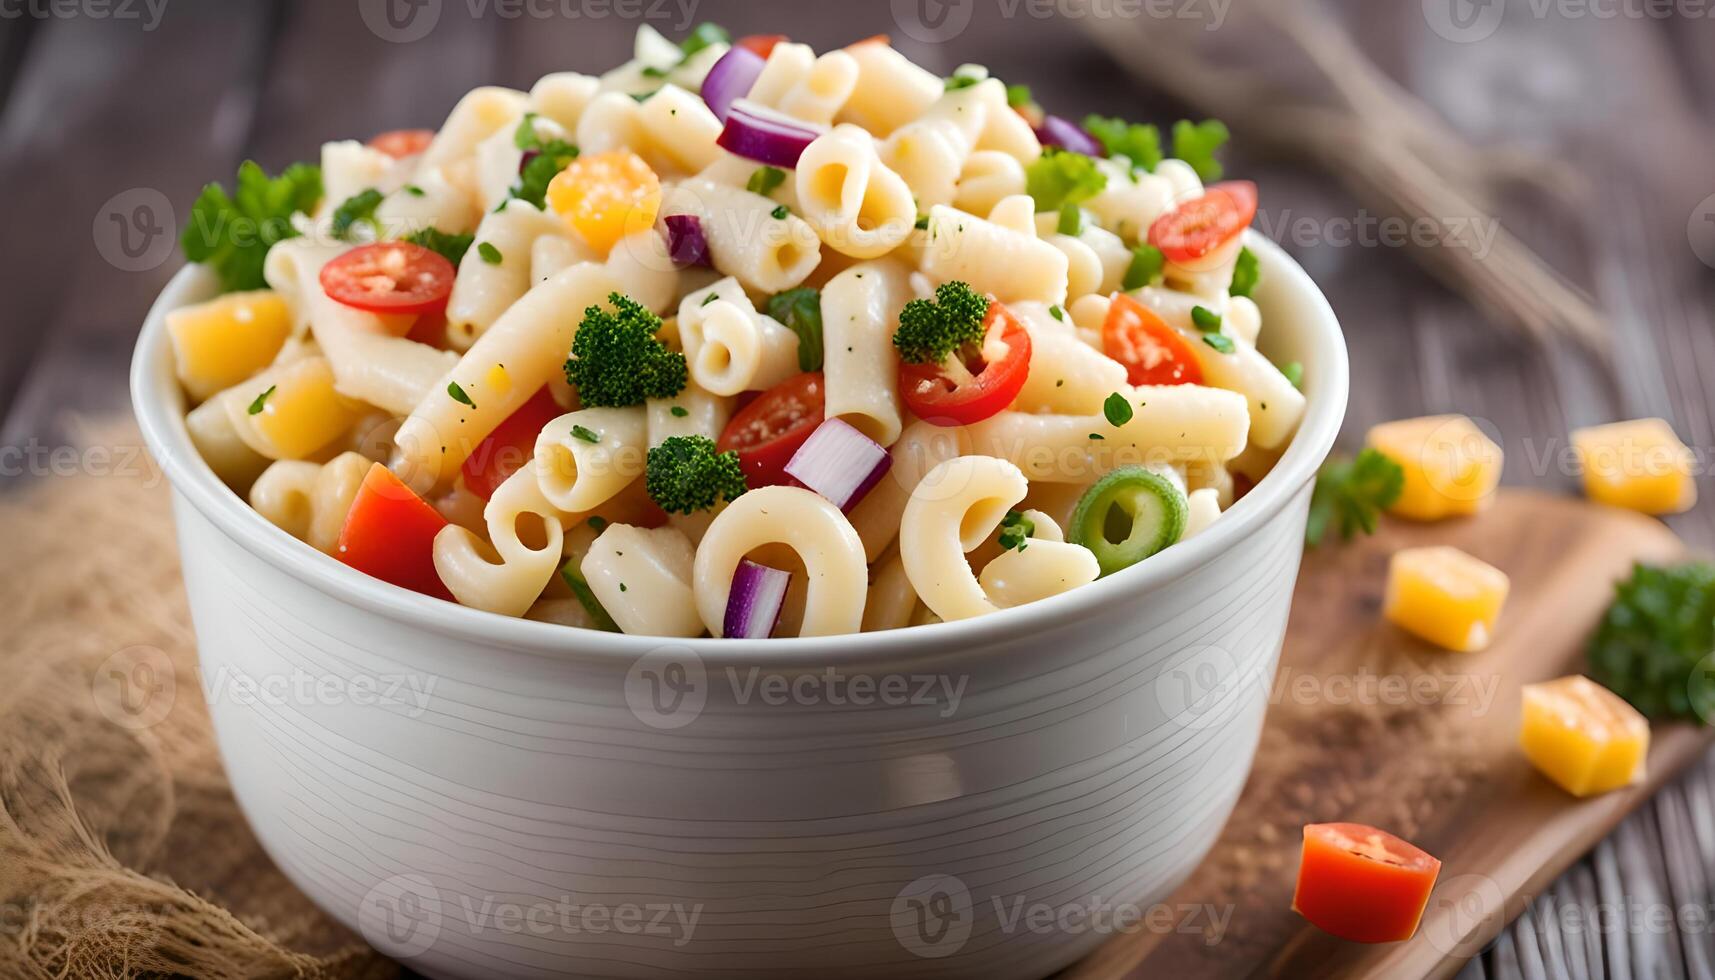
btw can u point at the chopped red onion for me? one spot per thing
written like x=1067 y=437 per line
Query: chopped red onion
x=686 y=243
x=1067 y=135
x=840 y=463
x=761 y=134
x=753 y=606
x=730 y=79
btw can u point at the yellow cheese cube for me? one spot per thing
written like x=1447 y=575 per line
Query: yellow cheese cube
x=221 y=342
x=290 y=411
x=1637 y=465
x=1451 y=467
x=1583 y=736
x=1445 y=596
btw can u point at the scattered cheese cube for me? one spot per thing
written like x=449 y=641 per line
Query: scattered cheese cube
x=1445 y=596
x=1638 y=465
x=221 y=342
x=1583 y=736
x=1451 y=467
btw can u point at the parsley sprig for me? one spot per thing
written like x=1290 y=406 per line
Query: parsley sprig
x=231 y=234
x=1654 y=644
x=1351 y=494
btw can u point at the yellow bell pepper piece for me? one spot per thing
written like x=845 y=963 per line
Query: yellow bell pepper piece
x=606 y=196
x=1445 y=596
x=221 y=342
x=1583 y=736
x=1639 y=465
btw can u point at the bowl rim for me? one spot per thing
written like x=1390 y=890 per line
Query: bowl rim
x=159 y=406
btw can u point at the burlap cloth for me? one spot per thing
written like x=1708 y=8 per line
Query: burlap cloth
x=122 y=851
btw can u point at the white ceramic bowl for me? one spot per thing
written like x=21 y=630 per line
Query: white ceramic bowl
x=491 y=797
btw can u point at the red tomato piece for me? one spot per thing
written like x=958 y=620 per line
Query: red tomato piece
x=403 y=142
x=510 y=445
x=390 y=277
x=1152 y=351
x=1206 y=224
x=934 y=397
x=1363 y=884
x=390 y=534
x=770 y=429
x=761 y=44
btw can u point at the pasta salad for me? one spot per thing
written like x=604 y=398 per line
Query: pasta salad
x=741 y=340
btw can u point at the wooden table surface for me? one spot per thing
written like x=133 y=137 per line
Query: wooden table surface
x=115 y=112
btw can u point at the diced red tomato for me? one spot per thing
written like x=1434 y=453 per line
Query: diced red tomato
x=934 y=397
x=1206 y=224
x=403 y=142
x=390 y=534
x=770 y=429
x=510 y=445
x=1152 y=351
x=390 y=277
x=761 y=44
x=1363 y=884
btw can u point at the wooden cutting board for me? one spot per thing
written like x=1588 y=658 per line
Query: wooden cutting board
x=1368 y=724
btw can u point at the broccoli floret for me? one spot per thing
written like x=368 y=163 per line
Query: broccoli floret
x=929 y=330
x=617 y=361
x=685 y=474
x=1062 y=177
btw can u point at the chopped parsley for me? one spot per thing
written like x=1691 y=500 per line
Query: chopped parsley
x=1246 y=274
x=232 y=234
x=764 y=180
x=1205 y=319
x=1139 y=143
x=1057 y=313
x=1652 y=644
x=587 y=435
x=930 y=330
x=452 y=247
x=710 y=298
x=414 y=190
x=1117 y=410
x=703 y=35
x=1351 y=494
x=1145 y=269
x=489 y=253
x=1060 y=177
x=781 y=212
x=679 y=411
x=457 y=394
x=358 y=207
x=801 y=311
x=599 y=618
x=1219 y=341
x=1294 y=371
x=261 y=400
x=1072 y=220
x=542 y=161
x=1018 y=96
x=618 y=361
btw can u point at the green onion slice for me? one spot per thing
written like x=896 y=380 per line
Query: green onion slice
x=1127 y=516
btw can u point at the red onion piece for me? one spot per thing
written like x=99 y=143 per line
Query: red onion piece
x=753 y=606
x=730 y=79
x=840 y=463
x=761 y=134
x=1067 y=135
x=686 y=243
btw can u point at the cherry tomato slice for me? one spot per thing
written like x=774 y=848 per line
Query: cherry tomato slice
x=1198 y=227
x=933 y=397
x=390 y=533
x=1153 y=352
x=770 y=429
x=761 y=44
x=1363 y=884
x=510 y=445
x=403 y=142
x=390 y=277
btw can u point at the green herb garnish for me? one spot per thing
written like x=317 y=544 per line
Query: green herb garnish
x=1196 y=143
x=800 y=310
x=452 y=247
x=1059 y=178
x=1246 y=274
x=1139 y=143
x=1117 y=410
x=457 y=394
x=1015 y=531
x=1653 y=646
x=1205 y=319
x=588 y=435
x=1145 y=269
x=764 y=180
x=1220 y=342
x=1351 y=494
x=232 y=234
x=262 y=399
x=489 y=253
